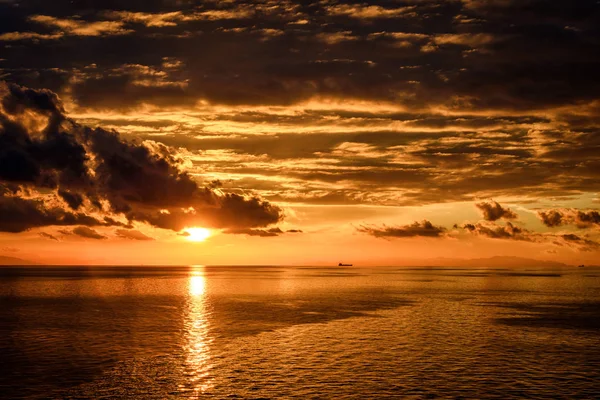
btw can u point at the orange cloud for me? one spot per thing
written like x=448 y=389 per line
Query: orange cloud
x=78 y=27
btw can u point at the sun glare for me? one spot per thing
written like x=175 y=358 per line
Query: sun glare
x=198 y=234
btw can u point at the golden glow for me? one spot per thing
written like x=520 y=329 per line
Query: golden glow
x=198 y=234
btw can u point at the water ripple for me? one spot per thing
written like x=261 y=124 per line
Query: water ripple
x=303 y=333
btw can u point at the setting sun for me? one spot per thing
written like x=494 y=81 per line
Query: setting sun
x=198 y=234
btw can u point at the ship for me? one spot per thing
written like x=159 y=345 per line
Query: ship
x=344 y=265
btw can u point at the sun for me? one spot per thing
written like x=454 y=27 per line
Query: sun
x=197 y=234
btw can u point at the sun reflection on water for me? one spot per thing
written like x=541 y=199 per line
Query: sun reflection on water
x=198 y=363
x=197 y=285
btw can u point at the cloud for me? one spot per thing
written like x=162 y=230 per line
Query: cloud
x=67 y=27
x=509 y=231
x=16 y=36
x=582 y=243
x=216 y=15
x=465 y=39
x=101 y=175
x=493 y=211
x=569 y=216
x=272 y=232
x=551 y=218
x=512 y=232
x=20 y=214
x=336 y=37
x=74 y=200
x=422 y=229
x=132 y=234
x=172 y=19
x=361 y=11
x=586 y=219
x=256 y=232
x=48 y=236
x=482 y=116
x=10 y=249
x=78 y=27
x=89 y=233
x=457 y=76
x=158 y=20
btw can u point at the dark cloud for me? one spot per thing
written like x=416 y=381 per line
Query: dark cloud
x=272 y=232
x=48 y=236
x=108 y=221
x=508 y=231
x=512 y=232
x=19 y=214
x=133 y=173
x=88 y=233
x=551 y=218
x=48 y=157
x=142 y=181
x=256 y=232
x=493 y=211
x=132 y=234
x=517 y=56
x=423 y=228
x=498 y=98
x=74 y=200
x=582 y=243
x=568 y=216
x=230 y=210
x=585 y=219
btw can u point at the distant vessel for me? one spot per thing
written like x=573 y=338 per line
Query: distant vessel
x=344 y=265
x=581 y=266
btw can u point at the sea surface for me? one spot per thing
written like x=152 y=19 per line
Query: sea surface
x=299 y=332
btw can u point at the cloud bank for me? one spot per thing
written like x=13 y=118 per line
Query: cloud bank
x=568 y=216
x=54 y=171
x=421 y=229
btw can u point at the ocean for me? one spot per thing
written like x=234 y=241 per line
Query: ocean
x=299 y=332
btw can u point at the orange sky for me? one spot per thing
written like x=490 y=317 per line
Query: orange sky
x=329 y=235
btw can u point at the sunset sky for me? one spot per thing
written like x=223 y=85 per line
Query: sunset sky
x=299 y=132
